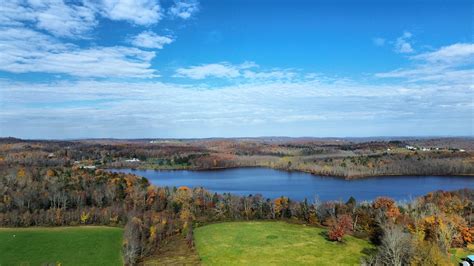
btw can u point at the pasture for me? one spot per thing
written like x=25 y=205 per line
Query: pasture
x=275 y=243
x=91 y=245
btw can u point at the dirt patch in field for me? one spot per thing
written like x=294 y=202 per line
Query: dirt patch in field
x=175 y=252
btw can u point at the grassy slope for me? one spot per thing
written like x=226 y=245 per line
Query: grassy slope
x=264 y=243
x=67 y=245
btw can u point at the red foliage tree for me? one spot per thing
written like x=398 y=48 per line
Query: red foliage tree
x=342 y=226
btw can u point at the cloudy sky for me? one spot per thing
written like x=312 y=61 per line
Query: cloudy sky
x=228 y=68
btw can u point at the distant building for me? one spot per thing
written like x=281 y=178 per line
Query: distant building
x=133 y=160
x=88 y=167
x=159 y=141
x=408 y=147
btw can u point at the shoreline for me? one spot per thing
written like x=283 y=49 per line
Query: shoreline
x=348 y=177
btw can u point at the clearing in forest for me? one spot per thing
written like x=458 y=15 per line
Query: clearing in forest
x=261 y=243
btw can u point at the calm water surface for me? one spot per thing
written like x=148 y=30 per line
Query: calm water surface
x=296 y=185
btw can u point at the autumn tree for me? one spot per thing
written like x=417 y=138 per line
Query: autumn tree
x=387 y=206
x=342 y=226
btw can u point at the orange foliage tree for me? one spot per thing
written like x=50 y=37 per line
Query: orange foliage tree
x=387 y=206
x=342 y=226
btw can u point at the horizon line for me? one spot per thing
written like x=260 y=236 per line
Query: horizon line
x=241 y=137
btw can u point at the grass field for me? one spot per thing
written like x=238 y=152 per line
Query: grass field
x=274 y=243
x=66 y=245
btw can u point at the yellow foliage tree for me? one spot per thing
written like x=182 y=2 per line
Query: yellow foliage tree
x=21 y=173
x=152 y=233
x=50 y=173
x=84 y=217
x=428 y=253
x=280 y=204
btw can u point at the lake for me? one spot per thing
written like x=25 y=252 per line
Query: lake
x=297 y=185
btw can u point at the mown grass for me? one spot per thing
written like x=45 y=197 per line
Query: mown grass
x=274 y=243
x=66 y=245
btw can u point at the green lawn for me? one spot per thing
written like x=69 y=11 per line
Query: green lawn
x=93 y=245
x=274 y=243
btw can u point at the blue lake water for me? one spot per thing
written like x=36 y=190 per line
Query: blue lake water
x=296 y=185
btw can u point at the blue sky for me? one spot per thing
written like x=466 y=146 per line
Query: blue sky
x=175 y=68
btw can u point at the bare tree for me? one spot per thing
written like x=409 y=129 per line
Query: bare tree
x=395 y=248
x=132 y=244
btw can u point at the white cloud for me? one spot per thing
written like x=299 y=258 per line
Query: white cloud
x=248 y=64
x=151 y=109
x=13 y=13
x=403 y=45
x=184 y=8
x=218 y=70
x=140 y=12
x=148 y=39
x=449 y=54
x=451 y=64
x=248 y=70
x=64 y=20
x=54 y=16
x=269 y=75
x=426 y=73
x=25 y=50
x=75 y=19
x=378 y=41
x=32 y=31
